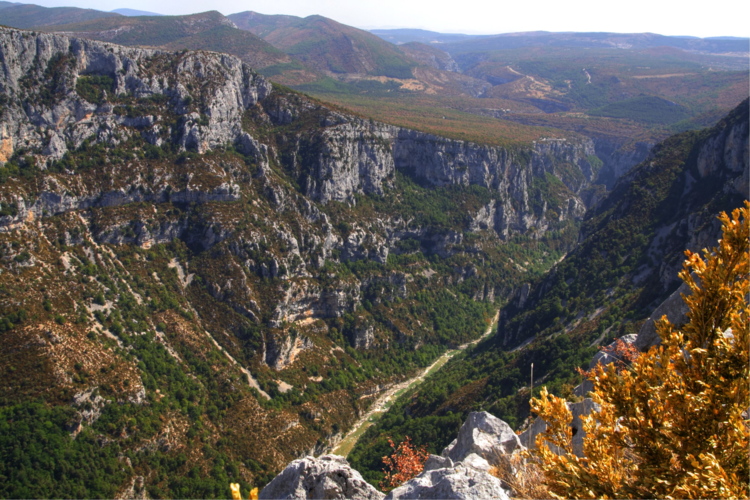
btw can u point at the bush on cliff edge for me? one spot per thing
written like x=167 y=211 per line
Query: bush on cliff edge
x=673 y=424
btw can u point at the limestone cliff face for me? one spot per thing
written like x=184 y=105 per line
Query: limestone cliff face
x=39 y=73
x=202 y=99
x=360 y=157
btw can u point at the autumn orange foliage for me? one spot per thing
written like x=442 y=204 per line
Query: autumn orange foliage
x=674 y=423
x=622 y=352
x=403 y=464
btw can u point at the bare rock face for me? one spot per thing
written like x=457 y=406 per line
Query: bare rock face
x=327 y=477
x=71 y=119
x=485 y=435
x=437 y=462
x=90 y=405
x=352 y=157
x=676 y=311
x=364 y=337
x=135 y=491
x=282 y=353
x=456 y=482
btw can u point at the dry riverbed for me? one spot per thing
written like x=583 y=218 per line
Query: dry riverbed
x=384 y=401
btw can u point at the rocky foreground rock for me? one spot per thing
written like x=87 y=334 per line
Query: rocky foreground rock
x=461 y=471
x=460 y=481
x=327 y=477
x=482 y=438
x=485 y=435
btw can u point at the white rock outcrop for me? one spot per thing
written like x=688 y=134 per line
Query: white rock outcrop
x=485 y=435
x=674 y=308
x=456 y=482
x=328 y=477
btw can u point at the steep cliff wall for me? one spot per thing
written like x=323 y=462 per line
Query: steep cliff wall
x=43 y=111
x=193 y=101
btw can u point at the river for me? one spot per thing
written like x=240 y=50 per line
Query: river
x=384 y=401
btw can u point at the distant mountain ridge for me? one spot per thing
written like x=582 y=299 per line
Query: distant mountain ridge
x=203 y=31
x=405 y=35
x=327 y=45
x=134 y=12
x=26 y=16
x=472 y=43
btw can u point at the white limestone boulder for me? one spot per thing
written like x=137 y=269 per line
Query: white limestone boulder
x=484 y=435
x=328 y=477
x=458 y=482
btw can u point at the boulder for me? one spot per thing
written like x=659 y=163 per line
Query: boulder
x=437 y=462
x=326 y=477
x=674 y=308
x=475 y=461
x=449 y=483
x=485 y=435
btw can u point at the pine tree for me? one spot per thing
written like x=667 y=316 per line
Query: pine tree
x=674 y=423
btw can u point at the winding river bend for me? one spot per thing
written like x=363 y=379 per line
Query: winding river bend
x=384 y=401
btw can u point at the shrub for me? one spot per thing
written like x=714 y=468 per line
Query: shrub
x=403 y=464
x=673 y=423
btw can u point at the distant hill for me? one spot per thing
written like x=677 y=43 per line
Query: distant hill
x=149 y=31
x=399 y=36
x=204 y=31
x=598 y=40
x=134 y=12
x=326 y=45
x=28 y=16
x=459 y=43
x=429 y=55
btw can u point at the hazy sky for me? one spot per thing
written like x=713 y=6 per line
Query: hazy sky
x=670 y=17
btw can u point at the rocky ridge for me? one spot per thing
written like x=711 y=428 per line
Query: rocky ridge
x=460 y=472
x=346 y=158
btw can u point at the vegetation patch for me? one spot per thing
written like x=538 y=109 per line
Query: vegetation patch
x=646 y=109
